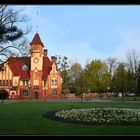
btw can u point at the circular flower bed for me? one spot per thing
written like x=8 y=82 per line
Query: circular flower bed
x=98 y=116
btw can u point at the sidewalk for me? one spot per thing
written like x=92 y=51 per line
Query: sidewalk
x=64 y=100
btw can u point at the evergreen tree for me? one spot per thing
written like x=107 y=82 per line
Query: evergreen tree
x=12 y=41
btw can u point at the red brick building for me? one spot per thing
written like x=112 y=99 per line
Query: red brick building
x=34 y=77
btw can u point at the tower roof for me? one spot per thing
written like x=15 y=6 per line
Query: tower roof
x=36 y=40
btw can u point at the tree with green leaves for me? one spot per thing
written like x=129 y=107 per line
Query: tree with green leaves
x=138 y=80
x=74 y=73
x=98 y=76
x=80 y=84
x=121 y=79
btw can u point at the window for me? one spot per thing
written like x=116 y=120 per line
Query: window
x=45 y=82
x=36 y=87
x=24 y=82
x=55 y=83
x=6 y=82
x=44 y=93
x=52 y=82
x=25 y=93
x=54 y=92
x=25 y=67
x=10 y=82
x=13 y=93
x=3 y=82
x=36 y=47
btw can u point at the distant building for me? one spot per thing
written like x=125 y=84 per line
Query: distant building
x=33 y=77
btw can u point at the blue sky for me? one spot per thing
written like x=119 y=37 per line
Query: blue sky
x=86 y=32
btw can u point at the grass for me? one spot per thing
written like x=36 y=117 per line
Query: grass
x=26 y=118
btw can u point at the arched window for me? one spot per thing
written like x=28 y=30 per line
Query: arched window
x=54 y=92
x=55 y=83
x=25 y=93
x=36 y=47
x=25 y=67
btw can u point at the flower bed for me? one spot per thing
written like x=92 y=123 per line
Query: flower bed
x=98 y=116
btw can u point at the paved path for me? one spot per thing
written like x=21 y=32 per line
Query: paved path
x=64 y=100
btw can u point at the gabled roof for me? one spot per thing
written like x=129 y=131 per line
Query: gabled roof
x=36 y=40
x=16 y=66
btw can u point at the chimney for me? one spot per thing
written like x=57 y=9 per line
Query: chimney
x=53 y=59
x=45 y=52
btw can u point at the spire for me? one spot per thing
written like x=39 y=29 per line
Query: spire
x=37 y=24
x=36 y=40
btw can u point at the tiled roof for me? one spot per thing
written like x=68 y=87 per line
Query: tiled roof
x=36 y=40
x=47 y=66
x=16 y=65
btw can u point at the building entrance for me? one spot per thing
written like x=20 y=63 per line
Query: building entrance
x=36 y=95
x=3 y=94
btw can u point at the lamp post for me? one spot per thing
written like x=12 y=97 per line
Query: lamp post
x=108 y=88
x=29 y=86
x=114 y=89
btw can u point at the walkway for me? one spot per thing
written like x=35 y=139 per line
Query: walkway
x=64 y=100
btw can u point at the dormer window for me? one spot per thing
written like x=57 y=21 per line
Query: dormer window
x=25 y=67
x=54 y=82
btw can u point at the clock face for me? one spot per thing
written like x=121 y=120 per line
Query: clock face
x=36 y=60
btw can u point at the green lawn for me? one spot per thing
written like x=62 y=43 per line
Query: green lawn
x=26 y=118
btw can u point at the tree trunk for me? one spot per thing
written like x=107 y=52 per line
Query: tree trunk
x=123 y=96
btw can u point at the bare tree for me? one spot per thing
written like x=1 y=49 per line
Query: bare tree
x=132 y=65
x=12 y=38
x=112 y=64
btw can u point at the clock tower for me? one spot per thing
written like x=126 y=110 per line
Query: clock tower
x=36 y=61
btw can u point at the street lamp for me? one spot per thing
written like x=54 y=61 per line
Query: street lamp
x=108 y=89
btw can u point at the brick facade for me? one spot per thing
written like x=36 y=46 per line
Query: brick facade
x=34 y=77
